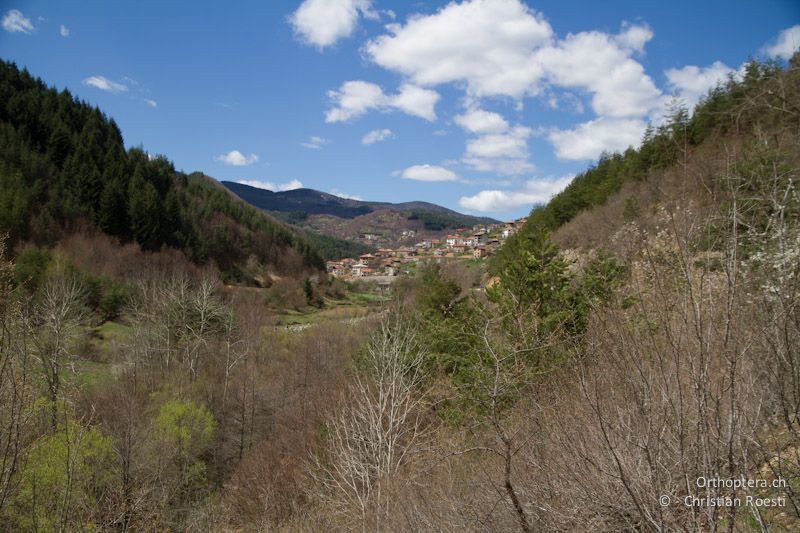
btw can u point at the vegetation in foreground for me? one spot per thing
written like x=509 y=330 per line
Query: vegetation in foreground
x=576 y=392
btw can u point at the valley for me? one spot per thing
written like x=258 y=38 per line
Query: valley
x=620 y=351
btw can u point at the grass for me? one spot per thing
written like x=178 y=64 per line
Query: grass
x=353 y=305
x=361 y=298
x=88 y=373
x=113 y=330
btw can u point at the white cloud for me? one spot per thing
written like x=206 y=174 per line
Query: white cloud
x=290 y=185
x=785 y=45
x=634 y=37
x=236 y=158
x=315 y=143
x=151 y=103
x=565 y=101
x=323 y=22
x=512 y=144
x=416 y=101
x=601 y=64
x=502 y=153
x=104 y=84
x=428 y=173
x=355 y=98
x=493 y=48
x=480 y=121
x=377 y=136
x=346 y=196
x=487 y=45
x=505 y=167
x=536 y=191
x=16 y=22
x=270 y=186
x=63 y=31
x=590 y=139
x=503 y=48
x=691 y=83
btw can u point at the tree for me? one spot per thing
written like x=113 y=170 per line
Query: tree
x=534 y=279
x=184 y=431
x=65 y=475
x=112 y=216
x=16 y=390
x=57 y=322
x=59 y=145
x=437 y=292
x=374 y=434
x=145 y=212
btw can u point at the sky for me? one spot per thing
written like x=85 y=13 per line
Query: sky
x=487 y=107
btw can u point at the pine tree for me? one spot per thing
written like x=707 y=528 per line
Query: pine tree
x=113 y=213
x=145 y=212
x=534 y=281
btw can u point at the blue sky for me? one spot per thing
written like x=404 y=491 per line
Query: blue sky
x=483 y=106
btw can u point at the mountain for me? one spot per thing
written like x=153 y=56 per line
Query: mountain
x=378 y=222
x=64 y=169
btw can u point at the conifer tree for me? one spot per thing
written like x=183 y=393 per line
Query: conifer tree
x=145 y=212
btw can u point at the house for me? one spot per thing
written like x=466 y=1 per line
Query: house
x=479 y=252
x=452 y=240
x=406 y=252
x=335 y=268
x=459 y=248
x=438 y=252
x=384 y=252
x=480 y=237
x=357 y=270
x=391 y=267
x=407 y=233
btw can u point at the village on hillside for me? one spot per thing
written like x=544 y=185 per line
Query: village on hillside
x=478 y=243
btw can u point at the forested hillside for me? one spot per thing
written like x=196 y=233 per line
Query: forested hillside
x=760 y=100
x=64 y=166
x=330 y=215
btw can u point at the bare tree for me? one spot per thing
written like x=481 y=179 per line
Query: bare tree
x=372 y=436
x=58 y=319
x=15 y=386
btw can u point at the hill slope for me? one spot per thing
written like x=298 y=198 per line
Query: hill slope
x=347 y=218
x=63 y=166
x=623 y=186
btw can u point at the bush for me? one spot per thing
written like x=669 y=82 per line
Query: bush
x=30 y=266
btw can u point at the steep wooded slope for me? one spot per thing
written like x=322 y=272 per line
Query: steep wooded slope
x=64 y=166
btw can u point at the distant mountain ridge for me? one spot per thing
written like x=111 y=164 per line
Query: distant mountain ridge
x=313 y=202
x=309 y=201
